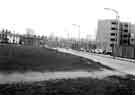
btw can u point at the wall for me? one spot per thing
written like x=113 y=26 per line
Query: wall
x=124 y=51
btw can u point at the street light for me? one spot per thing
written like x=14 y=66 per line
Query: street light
x=117 y=19
x=78 y=31
x=76 y=25
x=110 y=9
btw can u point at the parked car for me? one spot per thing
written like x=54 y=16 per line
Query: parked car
x=88 y=50
x=108 y=52
x=99 y=51
x=82 y=49
x=92 y=51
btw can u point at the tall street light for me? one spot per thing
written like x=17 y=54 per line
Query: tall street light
x=76 y=25
x=118 y=23
x=78 y=31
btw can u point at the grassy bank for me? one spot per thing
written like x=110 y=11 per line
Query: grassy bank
x=27 y=58
x=84 y=86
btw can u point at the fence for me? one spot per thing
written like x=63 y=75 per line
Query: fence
x=124 y=51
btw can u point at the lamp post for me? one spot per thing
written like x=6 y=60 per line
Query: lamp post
x=78 y=30
x=79 y=44
x=118 y=23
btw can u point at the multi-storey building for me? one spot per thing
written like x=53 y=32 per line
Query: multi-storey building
x=132 y=35
x=109 y=36
x=106 y=34
x=124 y=33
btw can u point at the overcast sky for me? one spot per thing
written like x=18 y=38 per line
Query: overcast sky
x=57 y=16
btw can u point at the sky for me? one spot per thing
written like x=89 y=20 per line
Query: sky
x=55 y=17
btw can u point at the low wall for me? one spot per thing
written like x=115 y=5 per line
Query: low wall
x=124 y=51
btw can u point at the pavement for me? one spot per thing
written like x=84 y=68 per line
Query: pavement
x=120 y=64
x=16 y=77
x=118 y=58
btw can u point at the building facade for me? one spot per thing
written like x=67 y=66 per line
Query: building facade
x=106 y=34
x=132 y=35
x=109 y=36
x=124 y=33
x=30 y=40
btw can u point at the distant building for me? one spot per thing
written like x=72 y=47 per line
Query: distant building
x=132 y=35
x=124 y=33
x=30 y=40
x=103 y=38
x=108 y=36
x=7 y=37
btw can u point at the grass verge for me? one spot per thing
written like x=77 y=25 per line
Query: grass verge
x=113 y=85
x=27 y=58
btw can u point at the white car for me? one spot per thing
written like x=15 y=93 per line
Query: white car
x=98 y=51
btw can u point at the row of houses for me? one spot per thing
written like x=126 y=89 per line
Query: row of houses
x=11 y=38
x=119 y=40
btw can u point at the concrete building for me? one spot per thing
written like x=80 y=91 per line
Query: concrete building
x=124 y=33
x=30 y=40
x=132 y=35
x=108 y=34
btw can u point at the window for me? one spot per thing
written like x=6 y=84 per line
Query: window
x=125 y=41
x=113 y=34
x=125 y=35
x=113 y=39
x=132 y=40
x=114 y=22
x=113 y=28
x=125 y=30
x=111 y=45
x=126 y=25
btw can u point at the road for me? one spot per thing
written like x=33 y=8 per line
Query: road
x=120 y=65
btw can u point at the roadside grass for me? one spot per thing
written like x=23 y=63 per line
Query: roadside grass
x=27 y=58
x=113 y=85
